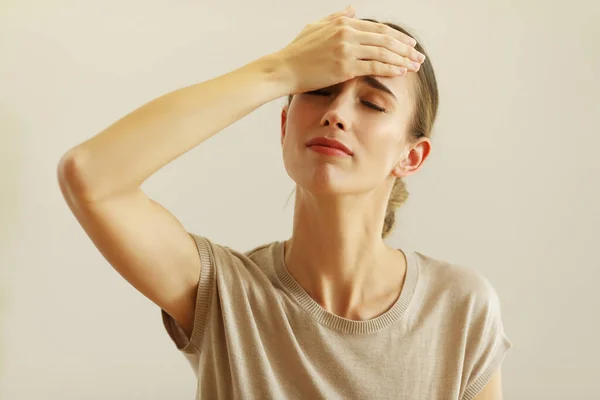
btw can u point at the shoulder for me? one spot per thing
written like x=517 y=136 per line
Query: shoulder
x=224 y=253
x=453 y=276
x=458 y=285
x=464 y=302
x=231 y=263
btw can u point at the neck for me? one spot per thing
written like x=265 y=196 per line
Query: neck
x=337 y=253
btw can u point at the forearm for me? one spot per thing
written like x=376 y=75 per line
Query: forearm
x=129 y=151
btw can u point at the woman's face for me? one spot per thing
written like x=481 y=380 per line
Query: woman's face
x=370 y=117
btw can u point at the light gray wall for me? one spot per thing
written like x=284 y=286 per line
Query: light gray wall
x=511 y=188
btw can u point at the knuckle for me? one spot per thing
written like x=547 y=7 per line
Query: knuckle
x=344 y=33
x=382 y=54
x=375 y=68
x=341 y=21
x=343 y=48
x=389 y=42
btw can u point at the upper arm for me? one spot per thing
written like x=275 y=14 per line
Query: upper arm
x=147 y=245
x=493 y=389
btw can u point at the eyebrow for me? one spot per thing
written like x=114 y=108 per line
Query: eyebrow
x=375 y=84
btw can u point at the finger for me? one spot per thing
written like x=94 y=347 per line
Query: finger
x=391 y=44
x=383 y=55
x=347 y=12
x=382 y=29
x=376 y=68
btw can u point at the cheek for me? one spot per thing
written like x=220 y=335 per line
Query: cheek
x=379 y=133
x=383 y=145
x=297 y=120
x=296 y=126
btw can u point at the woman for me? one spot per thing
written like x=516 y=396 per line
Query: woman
x=332 y=312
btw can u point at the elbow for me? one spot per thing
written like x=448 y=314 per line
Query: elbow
x=70 y=175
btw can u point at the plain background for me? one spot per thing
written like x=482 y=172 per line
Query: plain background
x=511 y=187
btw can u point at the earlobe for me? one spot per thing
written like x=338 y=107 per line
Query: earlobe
x=401 y=168
x=413 y=160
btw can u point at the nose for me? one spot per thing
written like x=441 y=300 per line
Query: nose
x=333 y=117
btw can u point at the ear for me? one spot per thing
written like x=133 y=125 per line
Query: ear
x=284 y=112
x=413 y=158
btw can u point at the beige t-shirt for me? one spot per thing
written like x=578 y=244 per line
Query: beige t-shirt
x=258 y=335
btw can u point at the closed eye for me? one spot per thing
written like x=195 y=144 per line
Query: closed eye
x=374 y=106
x=322 y=92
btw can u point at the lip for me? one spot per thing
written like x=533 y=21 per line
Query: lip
x=332 y=143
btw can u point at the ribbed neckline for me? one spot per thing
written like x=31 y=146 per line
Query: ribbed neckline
x=342 y=324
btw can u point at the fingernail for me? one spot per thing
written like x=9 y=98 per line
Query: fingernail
x=416 y=65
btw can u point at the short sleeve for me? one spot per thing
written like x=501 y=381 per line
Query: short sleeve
x=487 y=341
x=206 y=283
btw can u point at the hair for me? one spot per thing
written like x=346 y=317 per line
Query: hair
x=426 y=100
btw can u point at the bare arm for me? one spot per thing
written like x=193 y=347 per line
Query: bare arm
x=493 y=389
x=124 y=155
x=100 y=180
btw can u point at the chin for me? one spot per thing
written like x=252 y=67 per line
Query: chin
x=320 y=175
x=324 y=180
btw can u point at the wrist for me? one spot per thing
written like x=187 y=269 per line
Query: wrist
x=277 y=74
